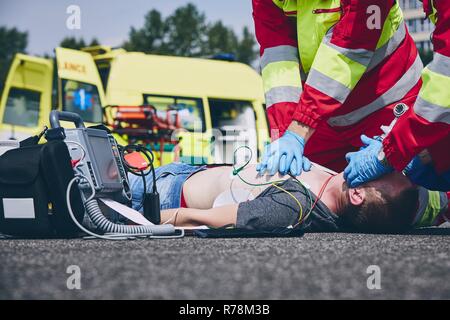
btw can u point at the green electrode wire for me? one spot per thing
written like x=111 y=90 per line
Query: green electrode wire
x=237 y=170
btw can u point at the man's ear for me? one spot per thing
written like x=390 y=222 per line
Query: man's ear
x=356 y=196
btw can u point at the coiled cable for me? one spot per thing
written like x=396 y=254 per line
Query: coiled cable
x=113 y=231
x=101 y=222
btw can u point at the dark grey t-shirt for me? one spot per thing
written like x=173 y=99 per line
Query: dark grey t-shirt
x=274 y=208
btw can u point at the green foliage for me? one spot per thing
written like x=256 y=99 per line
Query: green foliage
x=149 y=38
x=187 y=33
x=220 y=39
x=77 y=44
x=246 y=48
x=12 y=41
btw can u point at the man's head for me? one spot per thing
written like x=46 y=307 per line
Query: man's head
x=384 y=205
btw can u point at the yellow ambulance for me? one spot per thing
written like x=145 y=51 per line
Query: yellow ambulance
x=220 y=103
x=34 y=86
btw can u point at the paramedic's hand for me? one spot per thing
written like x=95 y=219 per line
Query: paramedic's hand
x=364 y=165
x=285 y=155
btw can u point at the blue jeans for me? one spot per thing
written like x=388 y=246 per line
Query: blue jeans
x=169 y=182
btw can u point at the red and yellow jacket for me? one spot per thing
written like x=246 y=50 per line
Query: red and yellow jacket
x=333 y=60
x=428 y=124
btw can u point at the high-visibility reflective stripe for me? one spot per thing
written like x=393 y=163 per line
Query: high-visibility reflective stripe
x=327 y=85
x=369 y=58
x=361 y=56
x=337 y=66
x=436 y=88
x=330 y=84
x=440 y=64
x=279 y=53
x=431 y=205
x=388 y=48
x=423 y=204
x=283 y=94
x=280 y=74
x=396 y=93
x=432 y=112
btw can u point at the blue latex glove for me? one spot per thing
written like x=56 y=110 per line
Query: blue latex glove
x=364 y=166
x=285 y=155
x=425 y=175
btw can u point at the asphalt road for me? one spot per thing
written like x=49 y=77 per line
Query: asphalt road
x=325 y=266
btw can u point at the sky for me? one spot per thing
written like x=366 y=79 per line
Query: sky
x=107 y=20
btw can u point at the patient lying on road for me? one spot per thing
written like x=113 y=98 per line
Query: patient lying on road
x=215 y=197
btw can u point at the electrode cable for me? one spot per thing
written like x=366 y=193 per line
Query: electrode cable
x=127 y=232
x=307 y=193
x=134 y=170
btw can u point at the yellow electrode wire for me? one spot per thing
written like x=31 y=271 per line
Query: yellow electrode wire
x=300 y=216
x=273 y=183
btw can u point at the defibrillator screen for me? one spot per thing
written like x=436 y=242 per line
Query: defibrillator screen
x=104 y=159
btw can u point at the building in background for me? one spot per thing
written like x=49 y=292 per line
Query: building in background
x=419 y=27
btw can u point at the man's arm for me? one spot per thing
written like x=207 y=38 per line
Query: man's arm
x=277 y=35
x=188 y=217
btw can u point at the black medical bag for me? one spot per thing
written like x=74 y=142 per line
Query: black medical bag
x=33 y=184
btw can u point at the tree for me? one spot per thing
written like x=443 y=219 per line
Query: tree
x=246 y=52
x=150 y=38
x=219 y=39
x=77 y=44
x=186 y=29
x=12 y=41
x=186 y=33
x=179 y=34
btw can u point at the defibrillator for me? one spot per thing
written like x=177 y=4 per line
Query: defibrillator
x=56 y=189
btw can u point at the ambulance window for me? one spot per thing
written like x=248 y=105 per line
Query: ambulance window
x=234 y=122
x=189 y=110
x=82 y=98
x=232 y=114
x=22 y=108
